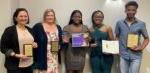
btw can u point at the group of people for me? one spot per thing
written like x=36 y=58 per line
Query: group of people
x=43 y=33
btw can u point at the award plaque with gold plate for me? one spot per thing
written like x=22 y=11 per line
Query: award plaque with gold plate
x=132 y=40
x=27 y=50
x=54 y=46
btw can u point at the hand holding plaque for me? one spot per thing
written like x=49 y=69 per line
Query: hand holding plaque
x=27 y=50
x=132 y=41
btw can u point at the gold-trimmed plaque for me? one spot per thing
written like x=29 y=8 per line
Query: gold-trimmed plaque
x=132 y=40
x=27 y=50
x=54 y=46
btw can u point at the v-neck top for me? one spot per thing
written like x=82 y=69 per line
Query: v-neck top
x=24 y=37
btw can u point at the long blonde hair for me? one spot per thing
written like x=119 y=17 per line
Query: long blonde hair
x=46 y=12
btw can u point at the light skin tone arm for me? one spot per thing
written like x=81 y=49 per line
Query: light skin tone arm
x=21 y=56
x=35 y=45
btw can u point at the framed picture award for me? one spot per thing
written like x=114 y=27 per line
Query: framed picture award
x=79 y=40
x=54 y=46
x=132 y=40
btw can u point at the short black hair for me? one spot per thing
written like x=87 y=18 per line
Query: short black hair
x=16 y=14
x=71 y=17
x=131 y=3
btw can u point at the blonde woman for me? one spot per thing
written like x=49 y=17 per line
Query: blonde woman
x=46 y=61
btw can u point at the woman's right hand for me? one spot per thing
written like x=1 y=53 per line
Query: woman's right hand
x=21 y=56
x=34 y=45
x=65 y=39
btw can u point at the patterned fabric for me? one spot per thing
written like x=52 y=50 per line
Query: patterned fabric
x=52 y=58
x=52 y=63
x=40 y=53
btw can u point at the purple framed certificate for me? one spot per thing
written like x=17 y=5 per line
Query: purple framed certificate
x=79 y=40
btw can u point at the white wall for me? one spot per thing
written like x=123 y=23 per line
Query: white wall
x=143 y=14
x=7 y=7
x=4 y=22
x=113 y=10
x=63 y=8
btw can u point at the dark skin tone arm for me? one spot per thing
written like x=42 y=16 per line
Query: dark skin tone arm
x=110 y=33
x=142 y=46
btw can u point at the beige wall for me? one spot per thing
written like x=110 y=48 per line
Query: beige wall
x=145 y=16
x=4 y=22
x=6 y=9
x=113 y=10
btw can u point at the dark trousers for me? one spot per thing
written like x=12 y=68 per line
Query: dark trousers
x=21 y=70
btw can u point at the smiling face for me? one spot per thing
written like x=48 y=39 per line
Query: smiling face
x=131 y=11
x=49 y=17
x=77 y=18
x=22 y=18
x=98 y=18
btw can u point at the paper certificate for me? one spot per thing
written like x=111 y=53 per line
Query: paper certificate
x=27 y=50
x=79 y=40
x=132 y=40
x=54 y=46
x=111 y=47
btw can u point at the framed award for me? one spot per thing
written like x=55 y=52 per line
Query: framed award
x=132 y=40
x=111 y=47
x=27 y=50
x=54 y=46
x=79 y=40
